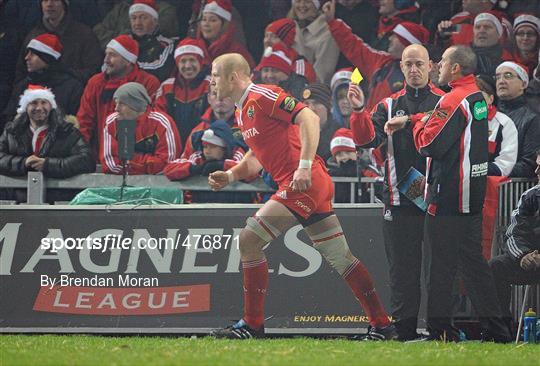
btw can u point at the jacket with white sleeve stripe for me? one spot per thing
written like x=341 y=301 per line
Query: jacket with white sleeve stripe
x=455 y=138
x=398 y=149
x=156 y=143
x=523 y=233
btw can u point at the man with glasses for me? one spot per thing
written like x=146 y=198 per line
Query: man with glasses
x=512 y=80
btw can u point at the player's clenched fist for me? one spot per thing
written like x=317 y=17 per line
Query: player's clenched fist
x=218 y=180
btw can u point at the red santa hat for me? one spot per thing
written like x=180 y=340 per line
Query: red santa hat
x=146 y=6
x=411 y=33
x=527 y=19
x=317 y=3
x=492 y=18
x=35 y=92
x=126 y=46
x=47 y=44
x=278 y=57
x=191 y=46
x=285 y=29
x=521 y=70
x=222 y=8
x=339 y=76
x=342 y=141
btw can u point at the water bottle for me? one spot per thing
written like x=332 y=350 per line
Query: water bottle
x=529 y=326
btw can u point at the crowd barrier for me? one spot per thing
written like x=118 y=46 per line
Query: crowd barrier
x=37 y=184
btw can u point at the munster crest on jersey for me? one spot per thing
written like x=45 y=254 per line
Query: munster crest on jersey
x=251 y=111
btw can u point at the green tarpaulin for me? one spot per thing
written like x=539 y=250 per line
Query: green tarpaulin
x=131 y=195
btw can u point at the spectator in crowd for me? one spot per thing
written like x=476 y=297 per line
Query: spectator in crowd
x=341 y=107
x=39 y=139
x=512 y=80
x=44 y=67
x=313 y=39
x=459 y=29
x=276 y=68
x=503 y=135
x=487 y=44
x=120 y=67
x=214 y=148
x=156 y=137
x=403 y=221
x=455 y=189
x=532 y=93
x=218 y=110
x=393 y=12
x=155 y=50
x=343 y=163
x=520 y=262
x=81 y=50
x=380 y=68
x=9 y=48
x=117 y=21
x=217 y=31
x=184 y=96
x=318 y=97
x=527 y=41
x=283 y=31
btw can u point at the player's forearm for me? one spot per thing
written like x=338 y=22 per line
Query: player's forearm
x=248 y=167
x=309 y=133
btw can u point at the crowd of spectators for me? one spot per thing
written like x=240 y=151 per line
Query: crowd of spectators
x=84 y=51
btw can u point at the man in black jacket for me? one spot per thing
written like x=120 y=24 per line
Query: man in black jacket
x=403 y=224
x=43 y=63
x=520 y=263
x=40 y=140
x=455 y=137
x=512 y=80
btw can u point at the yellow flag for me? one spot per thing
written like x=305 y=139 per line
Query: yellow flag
x=356 y=77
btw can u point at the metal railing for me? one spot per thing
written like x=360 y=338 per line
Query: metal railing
x=37 y=184
x=509 y=194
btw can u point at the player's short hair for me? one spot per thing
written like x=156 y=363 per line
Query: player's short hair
x=233 y=62
x=465 y=57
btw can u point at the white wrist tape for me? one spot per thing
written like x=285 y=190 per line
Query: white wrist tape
x=305 y=164
x=230 y=176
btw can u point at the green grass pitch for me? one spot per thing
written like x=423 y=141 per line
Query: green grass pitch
x=133 y=350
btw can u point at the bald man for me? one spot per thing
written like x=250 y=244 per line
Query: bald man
x=283 y=135
x=403 y=221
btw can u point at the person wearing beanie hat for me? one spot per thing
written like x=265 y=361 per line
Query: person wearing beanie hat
x=184 y=96
x=527 y=41
x=381 y=69
x=487 y=43
x=155 y=50
x=119 y=67
x=81 y=52
x=39 y=139
x=218 y=32
x=43 y=55
x=503 y=135
x=276 y=65
x=156 y=138
x=512 y=80
x=318 y=97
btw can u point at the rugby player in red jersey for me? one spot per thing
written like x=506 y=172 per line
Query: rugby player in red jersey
x=282 y=135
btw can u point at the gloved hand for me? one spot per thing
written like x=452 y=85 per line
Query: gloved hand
x=212 y=166
x=195 y=169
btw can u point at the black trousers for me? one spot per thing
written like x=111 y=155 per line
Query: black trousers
x=403 y=230
x=506 y=272
x=456 y=241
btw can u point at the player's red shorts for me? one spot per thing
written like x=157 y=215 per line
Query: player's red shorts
x=317 y=199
